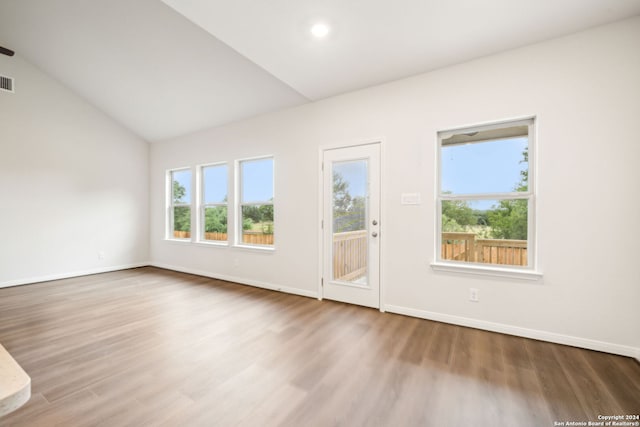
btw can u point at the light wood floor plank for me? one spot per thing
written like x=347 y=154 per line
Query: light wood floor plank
x=151 y=347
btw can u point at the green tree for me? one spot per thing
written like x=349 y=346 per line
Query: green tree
x=508 y=220
x=178 y=192
x=266 y=213
x=252 y=213
x=215 y=219
x=262 y=214
x=182 y=218
x=341 y=197
x=457 y=216
x=247 y=224
x=349 y=212
x=523 y=185
x=266 y=218
x=181 y=214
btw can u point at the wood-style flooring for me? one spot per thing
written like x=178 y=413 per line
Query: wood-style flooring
x=150 y=347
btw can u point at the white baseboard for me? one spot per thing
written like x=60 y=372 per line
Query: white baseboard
x=518 y=331
x=59 y=276
x=240 y=280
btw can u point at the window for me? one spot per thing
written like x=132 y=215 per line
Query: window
x=213 y=211
x=180 y=204
x=486 y=195
x=255 y=202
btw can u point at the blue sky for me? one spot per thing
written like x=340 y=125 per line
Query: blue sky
x=492 y=167
x=257 y=180
x=215 y=183
x=355 y=173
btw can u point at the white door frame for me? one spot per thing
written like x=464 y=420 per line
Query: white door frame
x=321 y=150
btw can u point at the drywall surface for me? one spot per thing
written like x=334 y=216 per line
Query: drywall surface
x=73 y=183
x=583 y=90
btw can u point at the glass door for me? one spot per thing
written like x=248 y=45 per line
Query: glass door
x=351 y=224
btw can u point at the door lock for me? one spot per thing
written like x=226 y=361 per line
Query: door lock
x=374 y=234
x=374 y=222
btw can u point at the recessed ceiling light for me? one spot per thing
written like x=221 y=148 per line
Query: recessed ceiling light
x=320 y=30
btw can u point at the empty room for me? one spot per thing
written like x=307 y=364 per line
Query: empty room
x=338 y=213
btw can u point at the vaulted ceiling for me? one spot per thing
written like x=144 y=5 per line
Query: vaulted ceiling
x=171 y=67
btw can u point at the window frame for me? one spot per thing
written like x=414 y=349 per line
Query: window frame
x=239 y=203
x=171 y=205
x=201 y=225
x=512 y=271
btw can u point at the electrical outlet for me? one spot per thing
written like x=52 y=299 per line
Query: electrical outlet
x=473 y=295
x=101 y=255
x=236 y=262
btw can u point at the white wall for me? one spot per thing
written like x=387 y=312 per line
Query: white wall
x=72 y=183
x=584 y=90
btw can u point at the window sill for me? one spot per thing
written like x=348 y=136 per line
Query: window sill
x=178 y=241
x=215 y=244
x=251 y=248
x=479 y=270
x=220 y=244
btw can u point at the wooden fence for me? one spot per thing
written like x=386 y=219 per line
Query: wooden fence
x=257 y=238
x=350 y=255
x=465 y=247
x=217 y=237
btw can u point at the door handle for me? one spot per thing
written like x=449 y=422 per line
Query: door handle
x=374 y=234
x=374 y=222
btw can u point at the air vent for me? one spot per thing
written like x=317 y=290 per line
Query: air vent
x=6 y=84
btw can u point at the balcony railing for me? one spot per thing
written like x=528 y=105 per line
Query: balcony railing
x=466 y=247
x=350 y=255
